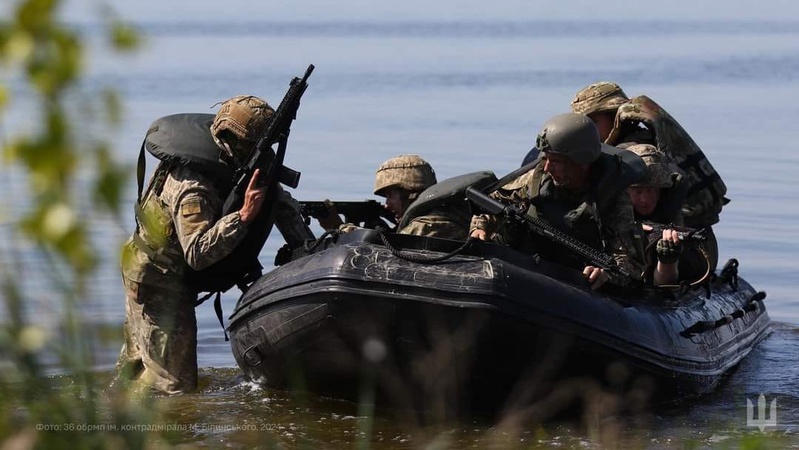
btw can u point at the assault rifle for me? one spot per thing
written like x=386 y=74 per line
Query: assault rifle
x=588 y=254
x=263 y=157
x=241 y=267
x=368 y=212
x=683 y=233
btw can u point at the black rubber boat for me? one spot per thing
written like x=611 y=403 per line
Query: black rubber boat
x=431 y=324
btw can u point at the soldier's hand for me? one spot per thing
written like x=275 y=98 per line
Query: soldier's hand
x=253 y=199
x=596 y=277
x=669 y=247
x=332 y=221
x=480 y=234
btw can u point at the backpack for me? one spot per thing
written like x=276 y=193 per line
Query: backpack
x=705 y=190
x=186 y=139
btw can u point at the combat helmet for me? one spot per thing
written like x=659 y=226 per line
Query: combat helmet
x=409 y=172
x=238 y=124
x=600 y=96
x=658 y=168
x=572 y=135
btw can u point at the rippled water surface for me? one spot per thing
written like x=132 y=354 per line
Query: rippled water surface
x=467 y=94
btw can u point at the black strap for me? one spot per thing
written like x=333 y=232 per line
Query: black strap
x=140 y=168
x=217 y=309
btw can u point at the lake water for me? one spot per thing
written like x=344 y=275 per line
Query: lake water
x=468 y=90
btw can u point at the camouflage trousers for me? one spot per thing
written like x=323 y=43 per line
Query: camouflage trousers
x=160 y=348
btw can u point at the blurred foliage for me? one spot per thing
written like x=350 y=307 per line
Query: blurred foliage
x=43 y=59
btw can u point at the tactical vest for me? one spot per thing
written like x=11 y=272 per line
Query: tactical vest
x=583 y=217
x=185 y=139
x=704 y=197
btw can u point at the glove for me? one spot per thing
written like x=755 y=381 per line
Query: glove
x=332 y=221
x=668 y=252
x=347 y=227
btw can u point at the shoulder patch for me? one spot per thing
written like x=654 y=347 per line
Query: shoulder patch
x=190 y=207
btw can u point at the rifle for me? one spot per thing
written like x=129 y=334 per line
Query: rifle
x=368 y=212
x=683 y=233
x=588 y=254
x=263 y=157
x=241 y=267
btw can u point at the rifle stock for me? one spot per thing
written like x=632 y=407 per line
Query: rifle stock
x=263 y=156
x=588 y=254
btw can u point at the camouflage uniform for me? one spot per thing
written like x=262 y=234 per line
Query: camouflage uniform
x=661 y=174
x=440 y=224
x=706 y=190
x=618 y=227
x=414 y=175
x=595 y=209
x=160 y=327
x=180 y=228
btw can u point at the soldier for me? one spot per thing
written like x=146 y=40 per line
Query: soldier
x=577 y=189
x=641 y=120
x=400 y=180
x=600 y=102
x=657 y=199
x=180 y=229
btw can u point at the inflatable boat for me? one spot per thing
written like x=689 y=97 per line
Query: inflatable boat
x=477 y=326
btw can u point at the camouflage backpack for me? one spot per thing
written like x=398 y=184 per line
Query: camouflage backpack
x=705 y=189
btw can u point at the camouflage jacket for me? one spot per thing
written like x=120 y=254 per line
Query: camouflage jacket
x=180 y=226
x=619 y=230
x=436 y=224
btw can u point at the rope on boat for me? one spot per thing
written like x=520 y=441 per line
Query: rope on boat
x=417 y=258
x=704 y=279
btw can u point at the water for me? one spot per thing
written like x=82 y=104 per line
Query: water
x=467 y=88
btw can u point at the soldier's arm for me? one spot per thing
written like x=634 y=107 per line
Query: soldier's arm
x=289 y=221
x=515 y=192
x=624 y=237
x=204 y=237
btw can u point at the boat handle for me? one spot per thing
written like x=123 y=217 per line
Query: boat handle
x=706 y=325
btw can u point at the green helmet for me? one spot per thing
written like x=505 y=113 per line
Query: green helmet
x=572 y=135
x=409 y=172
x=658 y=168
x=596 y=97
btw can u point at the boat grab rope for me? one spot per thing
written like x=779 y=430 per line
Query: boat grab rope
x=417 y=258
x=704 y=279
x=753 y=304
